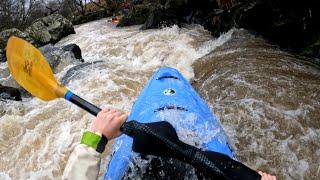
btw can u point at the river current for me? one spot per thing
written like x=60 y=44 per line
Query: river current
x=268 y=101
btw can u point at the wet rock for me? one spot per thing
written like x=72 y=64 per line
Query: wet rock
x=5 y=35
x=291 y=24
x=138 y=15
x=75 y=49
x=158 y=18
x=172 y=12
x=91 y=16
x=2 y=55
x=312 y=50
x=50 y=29
x=9 y=93
x=75 y=71
x=59 y=57
x=7 y=80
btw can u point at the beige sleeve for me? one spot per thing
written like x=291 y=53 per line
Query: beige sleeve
x=84 y=163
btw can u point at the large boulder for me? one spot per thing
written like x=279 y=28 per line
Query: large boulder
x=50 y=29
x=91 y=16
x=158 y=18
x=8 y=81
x=9 y=93
x=138 y=15
x=59 y=57
x=289 y=23
x=170 y=12
x=78 y=71
x=5 y=35
x=75 y=49
x=312 y=50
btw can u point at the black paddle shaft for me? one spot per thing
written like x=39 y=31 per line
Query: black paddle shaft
x=85 y=105
x=173 y=147
x=92 y=109
x=160 y=139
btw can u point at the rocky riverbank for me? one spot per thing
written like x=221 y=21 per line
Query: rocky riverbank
x=49 y=29
x=294 y=25
x=266 y=99
x=43 y=33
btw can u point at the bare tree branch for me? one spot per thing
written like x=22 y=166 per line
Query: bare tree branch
x=52 y=11
x=98 y=4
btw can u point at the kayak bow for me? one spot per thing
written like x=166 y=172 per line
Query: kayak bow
x=169 y=97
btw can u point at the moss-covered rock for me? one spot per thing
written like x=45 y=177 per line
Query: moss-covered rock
x=50 y=29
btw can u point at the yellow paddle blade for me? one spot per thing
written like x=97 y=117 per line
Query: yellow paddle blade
x=31 y=70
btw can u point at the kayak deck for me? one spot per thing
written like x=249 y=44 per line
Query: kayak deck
x=169 y=97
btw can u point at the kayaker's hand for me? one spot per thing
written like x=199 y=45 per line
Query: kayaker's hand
x=108 y=123
x=265 y=176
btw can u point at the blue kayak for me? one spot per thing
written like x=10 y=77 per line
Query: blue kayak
x=168 y=96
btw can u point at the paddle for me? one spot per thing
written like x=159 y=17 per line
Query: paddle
x=31 y=70
x=160 y=139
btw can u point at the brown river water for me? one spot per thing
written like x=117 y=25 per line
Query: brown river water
x=268 y=101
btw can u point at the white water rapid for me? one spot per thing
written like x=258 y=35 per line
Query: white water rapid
x=36 y=137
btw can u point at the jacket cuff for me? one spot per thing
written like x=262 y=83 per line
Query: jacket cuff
x=94 y=141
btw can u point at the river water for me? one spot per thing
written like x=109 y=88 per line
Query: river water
x=268 y=101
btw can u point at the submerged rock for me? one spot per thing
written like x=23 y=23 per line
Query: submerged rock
x=9 y=93
x=172 y=12
x=75 y=71
x=50 y=29
x=59 y=57
x=5 y=35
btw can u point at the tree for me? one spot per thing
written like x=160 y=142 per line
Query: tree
x=53 y=6
x=67 y=8
x=6 y=12
x=99 y=3
x=19 y=13
x=81 y=6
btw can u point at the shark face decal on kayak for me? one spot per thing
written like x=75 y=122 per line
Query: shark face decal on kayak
x=169 y=92
x=169 y=97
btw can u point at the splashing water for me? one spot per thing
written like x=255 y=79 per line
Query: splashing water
x=268 y=101
x=36 y=138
